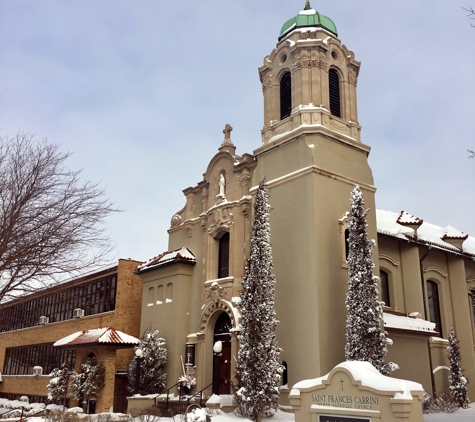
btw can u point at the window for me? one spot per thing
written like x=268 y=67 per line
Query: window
x=334 y=88
x=383 y=278
x=285 y=373
x=223 y=256
x=285 y=95
x=434 y=305
x=94 y=297
x=21 y=360
x=472 y=296
x=347 y=243
x=169 y=293
x=151 y=295
x=160 y=294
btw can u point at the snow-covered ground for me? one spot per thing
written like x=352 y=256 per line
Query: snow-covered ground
x=458 y=416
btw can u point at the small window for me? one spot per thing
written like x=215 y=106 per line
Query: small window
x=169 y=293
x=151 y=295
x=285 y=95
x=434 y=305
x=334 y=88
x=160 y=294
x=347 y=243
x=384 y=279
x=223 y=256
x=472 y=297
x=190 y=355
x=285 y=373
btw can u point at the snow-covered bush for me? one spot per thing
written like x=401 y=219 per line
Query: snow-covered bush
x=86 y=385
x=58 y=385
x=258 y=368
x=16 y=406
x=186 y=382
x=365 y=339
x=458 y=383
x=154 y=357
x=198 y=415
x=441 y=404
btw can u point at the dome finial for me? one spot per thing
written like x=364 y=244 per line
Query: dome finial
x=307 y=5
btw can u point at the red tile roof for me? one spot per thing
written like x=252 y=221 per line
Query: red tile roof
x=106 y=336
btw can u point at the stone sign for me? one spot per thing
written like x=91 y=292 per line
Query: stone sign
x=356 y=392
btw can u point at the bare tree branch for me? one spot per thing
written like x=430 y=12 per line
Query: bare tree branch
x=51 y=223
x=471 y=13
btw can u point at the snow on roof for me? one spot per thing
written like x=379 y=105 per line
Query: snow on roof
x=370 y=377
x=307 y=12
x=407 y=323
x=182 y=253
x=105 y=336
x=386 y=222
x=452 y=233
x=406 y=218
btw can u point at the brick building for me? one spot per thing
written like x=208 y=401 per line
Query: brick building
x=30 y=325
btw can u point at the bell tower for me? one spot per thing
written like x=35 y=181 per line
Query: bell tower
x=312 y=157
x=309 y=79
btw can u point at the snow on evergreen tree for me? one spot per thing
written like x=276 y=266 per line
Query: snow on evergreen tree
x=458 y=383
x=365 y=339
x=154 y=357
x=258 y=368
x=85 y=386
x=58 y=385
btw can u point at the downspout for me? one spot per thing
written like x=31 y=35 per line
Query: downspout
x=432 y=380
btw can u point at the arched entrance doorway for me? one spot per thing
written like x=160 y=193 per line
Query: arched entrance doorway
x=222 y=360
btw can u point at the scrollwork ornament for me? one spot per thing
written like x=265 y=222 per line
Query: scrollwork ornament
x=296 y=64
x=267 y=82
x=175 y=221
x=352 y=78
x=216 y=292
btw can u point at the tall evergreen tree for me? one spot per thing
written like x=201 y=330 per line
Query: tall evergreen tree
x=86 y=385
x=365 y=339
x=154 y=358
x=58 y=385
x=258 y=369
x=458 y=383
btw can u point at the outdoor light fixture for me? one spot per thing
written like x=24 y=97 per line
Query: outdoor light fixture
x=218 y=347
x=138 y=355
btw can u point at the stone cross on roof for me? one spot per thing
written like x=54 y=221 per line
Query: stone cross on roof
x=227 y=131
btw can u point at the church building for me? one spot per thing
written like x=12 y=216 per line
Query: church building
x=312 y=155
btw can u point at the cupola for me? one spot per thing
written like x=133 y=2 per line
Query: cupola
x=308 y=17
x=309 y=80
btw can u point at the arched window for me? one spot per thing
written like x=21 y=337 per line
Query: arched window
x=434 y=305
x=223 y=256
x=383 y=277
x=285 y=373
x=347 y=243
x=285 y=95
x=334 y=88
x=472 y=296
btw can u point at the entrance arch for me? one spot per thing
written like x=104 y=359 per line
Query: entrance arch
x=222 y=360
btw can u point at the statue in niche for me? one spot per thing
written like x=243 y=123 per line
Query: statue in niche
x=222 y=185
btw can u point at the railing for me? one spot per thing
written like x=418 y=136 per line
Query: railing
x=200 y=393
x=22 y=416
x=167 y=392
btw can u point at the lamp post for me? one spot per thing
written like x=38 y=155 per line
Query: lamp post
x=138 y=363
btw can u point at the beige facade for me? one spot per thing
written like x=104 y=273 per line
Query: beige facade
x=124 y=316
x=311 y=155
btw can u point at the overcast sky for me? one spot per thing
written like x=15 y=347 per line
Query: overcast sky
x=140 y=91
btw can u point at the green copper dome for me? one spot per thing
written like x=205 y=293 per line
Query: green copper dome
x=308 y=17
